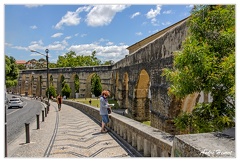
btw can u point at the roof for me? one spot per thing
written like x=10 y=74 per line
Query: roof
x=20 y=62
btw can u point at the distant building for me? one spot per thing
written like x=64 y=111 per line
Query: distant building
x=32 y=64
x=21 y=62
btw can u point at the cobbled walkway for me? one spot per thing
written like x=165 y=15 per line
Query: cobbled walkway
x=79 y=136
x=68 y=133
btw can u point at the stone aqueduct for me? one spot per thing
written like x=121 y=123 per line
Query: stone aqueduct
x=135 y=81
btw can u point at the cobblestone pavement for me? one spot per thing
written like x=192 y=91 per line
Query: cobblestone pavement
x=68 y=133
x=79 y=136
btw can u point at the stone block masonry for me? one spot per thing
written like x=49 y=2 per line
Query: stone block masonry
x=151 y=142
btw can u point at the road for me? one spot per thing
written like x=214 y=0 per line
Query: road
x=17 y=117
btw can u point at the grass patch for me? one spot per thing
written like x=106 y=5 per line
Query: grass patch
x=147 y=123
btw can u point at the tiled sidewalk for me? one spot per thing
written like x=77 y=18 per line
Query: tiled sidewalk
x=76 y=136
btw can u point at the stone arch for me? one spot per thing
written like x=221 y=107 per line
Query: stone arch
x=189 y=102
x=119 y=90
x=141 y=109
x=39 y=83
x=88 y=93
x=30 y=84
x=22 y=85
x=125 y=91
x=116 y=86
x=60 y=79
x=73 y=85
x=51 y=80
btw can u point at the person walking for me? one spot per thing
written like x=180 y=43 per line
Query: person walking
x=59 y=102
x=103 y=109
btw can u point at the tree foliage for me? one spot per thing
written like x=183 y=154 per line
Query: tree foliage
x=66 y=90
x=96 y=86
x=11 y=71
x=52 y=91
x=71 y=59
x=207 y=63
x=76 y=83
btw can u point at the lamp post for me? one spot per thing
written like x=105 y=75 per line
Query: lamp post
x=46 y=51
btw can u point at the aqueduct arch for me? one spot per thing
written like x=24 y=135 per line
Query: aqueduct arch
x=74 y=78
x=88 y=93
x=136 y=77
x=140 y=109
x=125 y=91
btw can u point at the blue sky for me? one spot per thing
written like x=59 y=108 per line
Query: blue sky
x=107 y=29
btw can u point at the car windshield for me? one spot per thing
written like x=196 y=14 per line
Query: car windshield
x=15 y=99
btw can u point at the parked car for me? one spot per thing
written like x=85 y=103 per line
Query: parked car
x=15 y=102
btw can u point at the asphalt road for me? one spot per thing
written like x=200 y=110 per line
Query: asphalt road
x=17 y=117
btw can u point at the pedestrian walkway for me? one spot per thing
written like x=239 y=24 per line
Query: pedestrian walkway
x=68 y=133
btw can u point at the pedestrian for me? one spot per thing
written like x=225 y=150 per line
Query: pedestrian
x=59 y=101
x=103 y=109
x=90 y=101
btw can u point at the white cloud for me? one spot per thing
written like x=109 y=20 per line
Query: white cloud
x=58 y=46
x=167 y=12
x=104 y=53
x=32 y=5
x=139 y=33
x=72 y=18
x=36 y=46
x=57 y=35
x=37 y=42
x=109 y=43
x=83 y=35
x=68 y=37
x=153 y=13
x=101 y=15
x=153 y=31
x=64 y=42
x=33 y=27
x=103 y=40
x=21 y=48
x=166 y=23
x=8 y=44
x=135 y=14
x=190 y=6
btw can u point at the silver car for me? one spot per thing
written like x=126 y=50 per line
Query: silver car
x=15 y=102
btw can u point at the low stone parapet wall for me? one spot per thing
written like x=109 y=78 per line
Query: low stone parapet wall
x=203 y=145
x=150 y=141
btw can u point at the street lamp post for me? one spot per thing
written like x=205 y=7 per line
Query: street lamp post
x=46 y=51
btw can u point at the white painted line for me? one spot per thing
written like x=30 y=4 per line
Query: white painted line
x=13 y=112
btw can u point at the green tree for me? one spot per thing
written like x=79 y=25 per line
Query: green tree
x=71 y=59
x=21 y=67
x=52 y=91
x=66 y=90
x=76 y=83
x=207 y=63
x=11 y=71
x=96 y=86
x=63 y=81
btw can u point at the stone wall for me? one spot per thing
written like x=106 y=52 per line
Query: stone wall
x=203 y=145
x=149 y=141
x=38 y=86
x=153 y=58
